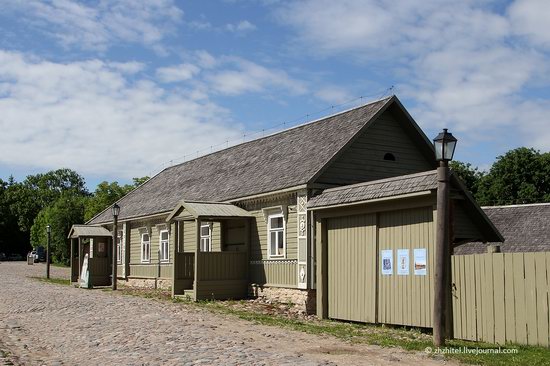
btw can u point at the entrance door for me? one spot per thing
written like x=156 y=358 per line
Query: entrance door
x=352 y=261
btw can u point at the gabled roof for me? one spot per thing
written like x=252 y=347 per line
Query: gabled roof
x=526 y=228
x=383 y=188
x=403 y=186
x=283 y=160
x=208 y=209
x=87 y=230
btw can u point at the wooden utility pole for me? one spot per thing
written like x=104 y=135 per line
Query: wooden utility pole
x=442 y=251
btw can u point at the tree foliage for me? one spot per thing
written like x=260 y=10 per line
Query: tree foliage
x=66 y=211
x=470 y=175
x=521 y=175
x=106 y=194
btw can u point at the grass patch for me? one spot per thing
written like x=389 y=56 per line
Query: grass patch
x=56 y=281
x=5 y=355
x=60 y=265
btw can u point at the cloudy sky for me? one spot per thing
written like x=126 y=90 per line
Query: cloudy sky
x=121 y=89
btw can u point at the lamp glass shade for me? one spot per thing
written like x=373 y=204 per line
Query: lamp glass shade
x=48 y=228
x=444 y=145
x=116 y=209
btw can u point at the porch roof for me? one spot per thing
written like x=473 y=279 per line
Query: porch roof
x=197 y=209
x=86 y=230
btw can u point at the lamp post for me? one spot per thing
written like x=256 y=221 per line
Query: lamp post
x=116 y=211
x=48 y=230
x=444 y=145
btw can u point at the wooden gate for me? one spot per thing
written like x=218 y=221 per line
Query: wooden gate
x=352 y=268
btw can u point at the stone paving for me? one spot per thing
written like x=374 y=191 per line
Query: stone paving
x=48 y=324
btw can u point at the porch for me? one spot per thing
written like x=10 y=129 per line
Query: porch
x=202 y=271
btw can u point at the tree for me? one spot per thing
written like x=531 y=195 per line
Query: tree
x=40 y=190
x=470 y=175
x=108 y=193
x=66 y=211
x=521 y=175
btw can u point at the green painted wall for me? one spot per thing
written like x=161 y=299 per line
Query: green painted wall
x=364 y=159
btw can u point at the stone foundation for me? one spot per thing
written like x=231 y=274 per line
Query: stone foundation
x=304 y=301
x=149 y=283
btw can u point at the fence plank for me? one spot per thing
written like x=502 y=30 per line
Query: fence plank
x=480 y=274
x=542 y=300
x=471 y=301
x=488 y=301
x=509 y=299
x=519 y=297
x=498 y=299
x=531 y=298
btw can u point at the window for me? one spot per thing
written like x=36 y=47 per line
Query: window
x=389 y=156
x=164 y=241
x=119 y=241
x=145 y=248
x=276 y=239
x=206 y=238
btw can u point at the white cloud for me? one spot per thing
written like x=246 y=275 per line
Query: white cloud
x=466 y=66
x=76 y=24
x=531 y=18
x=333 y=94
x=177 y=73
x=91 y=117
x=241 y=76
x=241 y=27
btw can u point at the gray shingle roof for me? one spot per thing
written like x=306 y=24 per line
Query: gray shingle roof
x=286 y=159
x=526 y=228
x=87 y=230
x=389 y=187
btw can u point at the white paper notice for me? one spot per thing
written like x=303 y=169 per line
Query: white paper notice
x=403 y=262
x=387 y=262
x=420 y=262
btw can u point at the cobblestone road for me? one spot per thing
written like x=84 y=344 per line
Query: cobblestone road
x=50 y=324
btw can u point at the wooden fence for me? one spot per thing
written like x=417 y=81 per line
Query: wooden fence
x=502 y=297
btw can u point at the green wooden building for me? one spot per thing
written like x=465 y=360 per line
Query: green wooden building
x=276 y=217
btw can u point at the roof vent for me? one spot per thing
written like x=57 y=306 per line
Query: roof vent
x=389 y=156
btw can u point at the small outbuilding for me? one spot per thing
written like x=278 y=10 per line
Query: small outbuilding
x=93 y=243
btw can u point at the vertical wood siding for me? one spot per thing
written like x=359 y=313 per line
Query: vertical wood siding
x=364 y=160
x=274 y=273
x=352 y=268
x=406 y=300
x=502 y=297
x=221 y=266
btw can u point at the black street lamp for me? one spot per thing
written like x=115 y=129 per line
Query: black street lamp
x=116 y=211
x=48 y=230
x=444 y=145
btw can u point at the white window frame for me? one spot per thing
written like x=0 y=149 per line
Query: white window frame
x=206 y=238
x=269 y=230
x=164 y=243
x=148 y=244
x=119 y=243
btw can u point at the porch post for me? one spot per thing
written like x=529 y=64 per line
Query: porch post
x=79 y=258
x=247 y=248
x=71 y=241
x=174 y=254
x=197 y=253
x=322 y=269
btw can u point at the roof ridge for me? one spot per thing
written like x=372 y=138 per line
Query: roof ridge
x=518 y=205
x=305 y=124
x=384 y=180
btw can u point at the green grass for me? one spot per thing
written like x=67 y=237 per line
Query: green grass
x=57 y=281
x=60 y=265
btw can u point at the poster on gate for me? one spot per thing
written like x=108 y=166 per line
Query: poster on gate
x=403 y=262
x=387 y=262
x=420 y=262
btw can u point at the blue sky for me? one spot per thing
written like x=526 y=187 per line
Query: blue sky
x=121 y=89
